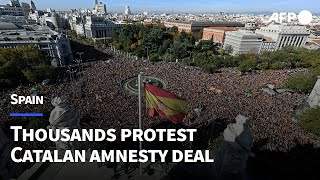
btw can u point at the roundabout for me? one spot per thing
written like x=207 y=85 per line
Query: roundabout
x=130 y=85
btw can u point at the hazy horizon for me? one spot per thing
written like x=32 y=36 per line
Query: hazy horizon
x=184 y=6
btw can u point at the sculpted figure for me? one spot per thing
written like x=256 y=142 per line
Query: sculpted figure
x=64 y=116
x=314 y=98
x=231 y=161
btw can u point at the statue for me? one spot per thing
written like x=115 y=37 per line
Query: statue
x=231 y=160
x=64 y=116
x=54 y=62
x=314 y=98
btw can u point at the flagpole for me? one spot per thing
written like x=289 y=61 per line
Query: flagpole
x=140 y=115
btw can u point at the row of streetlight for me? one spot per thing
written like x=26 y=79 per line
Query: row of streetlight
x=71 y=72
x=147 y=48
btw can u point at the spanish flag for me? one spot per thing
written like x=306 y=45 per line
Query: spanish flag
x=165 y=104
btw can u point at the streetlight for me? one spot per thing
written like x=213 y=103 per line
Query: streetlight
x=79 y=61
x=170 y=50
x=70 y=73
x=80 y=54
x=147 y=53
x=190 y=57
x=72 y=79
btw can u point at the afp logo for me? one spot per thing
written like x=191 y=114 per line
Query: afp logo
x=304 y=17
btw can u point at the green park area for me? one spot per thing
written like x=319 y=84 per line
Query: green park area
x=24 y=65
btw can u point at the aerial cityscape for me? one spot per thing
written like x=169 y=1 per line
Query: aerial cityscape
x=244 y=74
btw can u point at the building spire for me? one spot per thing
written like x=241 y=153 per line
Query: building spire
x=32 y=6
x=96 y=2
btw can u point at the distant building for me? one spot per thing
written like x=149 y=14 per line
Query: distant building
x=99 y=27
x=188 y=26
x=150 y=22
x=127 y=11
x=242 y=41
x=56 y=45
x=52 y=20
x=194 y=26
x=80 y=29
x=14 y=3
x=216 y=33
x=99 y=8
x=312 y=45
x=26 y=8
x=284 y=35
x=33 y=7
x=37 y=15
x=13 y=8
x=267 y=44
x=18 y=20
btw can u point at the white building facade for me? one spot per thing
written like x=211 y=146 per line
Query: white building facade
x=99 y=27
x=127 y=10
x=242 y=41
x=99 y=8
x=284 y=35
x=55 y=44
x=14 y=8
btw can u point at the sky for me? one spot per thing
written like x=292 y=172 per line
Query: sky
x=184 y=6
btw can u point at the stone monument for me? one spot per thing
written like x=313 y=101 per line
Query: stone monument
x=314 y=98
x=231 y=160
x=64 y=116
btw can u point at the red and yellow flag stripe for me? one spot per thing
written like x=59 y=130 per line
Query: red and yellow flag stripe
x=165 y=104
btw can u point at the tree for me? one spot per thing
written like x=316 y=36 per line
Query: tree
x=24 y=65
x=303 y=82
x=31 y=75
x=198 y=35
x=98 y=44
x=154 y=57
x=222 y=52
x=172 y=44
x=247 y=62
x=228 y=50
x=310 y=120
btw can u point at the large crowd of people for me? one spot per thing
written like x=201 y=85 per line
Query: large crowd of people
x=107 y=106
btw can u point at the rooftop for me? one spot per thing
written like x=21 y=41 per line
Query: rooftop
x=268 y=39
x=26 y=33
x=223 y=28
x=210 y=23
x=245 y=33
x=284 y=27
x=8 y=26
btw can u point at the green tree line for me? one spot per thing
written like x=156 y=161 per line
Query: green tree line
x=163 y=44
x=23 y=65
